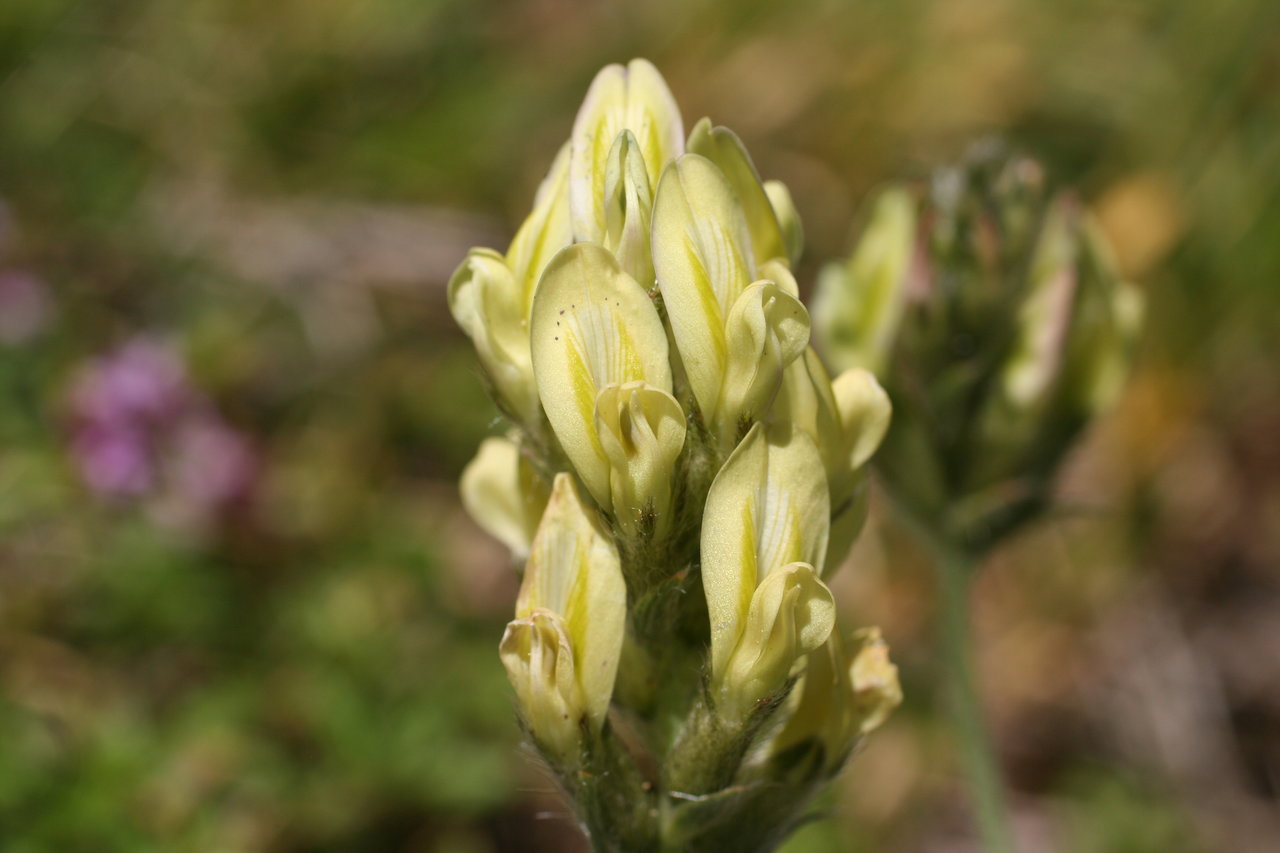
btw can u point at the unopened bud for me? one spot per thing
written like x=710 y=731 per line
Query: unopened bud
x=504 y=494
x=562 y=650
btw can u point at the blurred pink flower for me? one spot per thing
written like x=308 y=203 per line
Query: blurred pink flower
x=212 y=464
x=144 y=382
x=141 y=430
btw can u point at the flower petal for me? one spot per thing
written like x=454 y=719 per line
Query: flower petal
x=788 y=219
x=791 y=614
x=765 y=331
x=865 y=413
x=722 y=146
x=767 y=507
x=503 y=494
x=628 y=199
x=703 y=260
x=486 y=302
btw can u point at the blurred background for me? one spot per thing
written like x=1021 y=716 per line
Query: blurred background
x=240 y=607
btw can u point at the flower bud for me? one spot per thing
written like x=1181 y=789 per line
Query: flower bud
x=562 y=650
x=764 y=535
x=722 y=146
x=845 y=695
x=490 y=295
x=593 y=326
x=488 y=305
x=790 y=614
x=767 y=329
x=539 y=659
x=504 y=494
x=859 y=304
x=635 y=99
x=705 y=262
x=847 y=419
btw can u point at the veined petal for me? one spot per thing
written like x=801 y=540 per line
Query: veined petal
x=653 y=116
x=642 y=431
x=788 y=219
x=765 y=331
x=722 y=146
x=791 y=613
x=767 y=507
x=628 y=198
x=592 y=326
x=703 y=259
x=635 y=98
x=545 y=231
x=503 y=494
x=575 y=572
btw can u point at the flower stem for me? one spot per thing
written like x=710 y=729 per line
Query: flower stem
x=955 y=569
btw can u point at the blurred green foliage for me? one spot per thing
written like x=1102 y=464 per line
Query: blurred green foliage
x=280 y=191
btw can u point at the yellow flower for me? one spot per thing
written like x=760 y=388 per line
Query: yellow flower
x=843 y=696
x=561 y=652
x=600 y=358
x=736 y=322
x=764 y=536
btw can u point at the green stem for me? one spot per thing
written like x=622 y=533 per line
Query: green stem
x=955 y=568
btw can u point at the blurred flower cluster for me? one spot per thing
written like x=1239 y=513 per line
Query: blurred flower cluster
x=991 y=308
x=141 y=430
x=682 y=475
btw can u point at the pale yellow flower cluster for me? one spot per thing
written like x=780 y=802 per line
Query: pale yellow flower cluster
x=672 y=432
